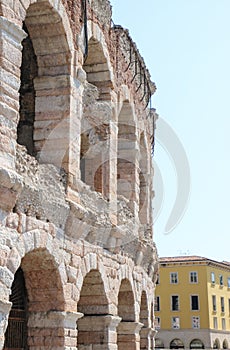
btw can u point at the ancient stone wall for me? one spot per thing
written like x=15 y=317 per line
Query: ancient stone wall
x=77 y=257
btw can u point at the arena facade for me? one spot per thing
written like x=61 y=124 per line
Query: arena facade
x=77 y=259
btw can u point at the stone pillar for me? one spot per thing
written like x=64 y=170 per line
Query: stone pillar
x=5 y=307
x=10 y=56
x=52 y=120
x=128 y=335
x=53 y=330
x=75 y=124
x=153 y=334
x=112 y=161
x=146 y=336
x=98 y=332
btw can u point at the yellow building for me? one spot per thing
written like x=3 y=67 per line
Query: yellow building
x=192 y=303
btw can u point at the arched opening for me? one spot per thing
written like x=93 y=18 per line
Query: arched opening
x=126 y=330
x=97 y=70
x=143 y=182
x=94 y=160
x=196 y=344
x=38 y=302
x=144 y=319
x=127 y=168
x=93 y=303
x=216 y=344
x=101 y=180
x=95 y=153
x=225 y=344
x=16 y=333
x=29 y=70
x=126 y=302
x=159 y=344
x=45 y=86
x=176 y=344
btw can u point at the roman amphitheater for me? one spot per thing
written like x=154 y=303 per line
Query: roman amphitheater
x=77 y=257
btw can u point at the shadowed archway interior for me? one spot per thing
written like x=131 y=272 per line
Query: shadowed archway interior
x=16 y=333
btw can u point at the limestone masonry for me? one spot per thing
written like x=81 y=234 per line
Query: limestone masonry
x=77 y=259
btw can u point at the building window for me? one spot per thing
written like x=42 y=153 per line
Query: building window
x=215 y=323
x=213 y=303
x=157 y=323
x=157 y=304
x=194 y=302
x=213 y=280
x=158 y=279
x=223 y=323
x=228 y=282
x=195 y=322
x=173 y=277
x=193 y=277
x=221 y=280
x=175 y=322
x=222 y=303
x=175 y=302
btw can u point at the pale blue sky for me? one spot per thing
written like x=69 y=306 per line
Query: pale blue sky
x=186 y=46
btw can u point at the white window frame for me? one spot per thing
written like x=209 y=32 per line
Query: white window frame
x=157 y=322
x=174 y=322
x=213 y=278
x=228 y=282
x=175 y=295
x=190 y=277
x=194 y=295
x=194 y=323
x=214 y=306
x=157 y=309
x=221 y=280
x=222 y=305
x=172 y=275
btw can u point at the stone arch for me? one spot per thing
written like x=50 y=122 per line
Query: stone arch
x=126 y=301
x=127 y=169
x=225 y=344
x=145 y=340
x=97 y=64
x=34 y=240
x=128 y=329
x=196 y=344
x=216 y=344
x=90 y=263
x=51 y=37
x=45 y=311
x=176 y=344
x=93 y=304
x=95 y=152
x=16 y=11
x=98 y=70
x=51 y=85
x=93 y=299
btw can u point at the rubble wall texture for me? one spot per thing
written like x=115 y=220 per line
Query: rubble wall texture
x=76 y=177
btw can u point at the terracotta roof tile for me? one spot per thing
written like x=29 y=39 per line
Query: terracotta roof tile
x=191 y=258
